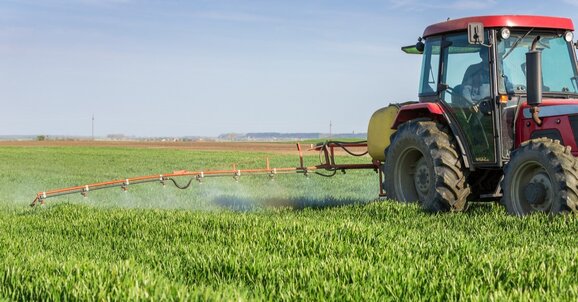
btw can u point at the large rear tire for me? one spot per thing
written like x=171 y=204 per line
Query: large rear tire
x=422 y=165
x=542 y=176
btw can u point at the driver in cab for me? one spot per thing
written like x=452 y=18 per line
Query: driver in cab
x=476 y=82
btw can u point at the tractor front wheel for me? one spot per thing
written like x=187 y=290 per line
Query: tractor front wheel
x=542 y=176
x=422 y=165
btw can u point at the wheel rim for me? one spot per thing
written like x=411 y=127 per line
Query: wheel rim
x=412 y=176
x=531 y=173
x=421 y=178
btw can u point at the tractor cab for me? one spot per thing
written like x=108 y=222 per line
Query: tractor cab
x=475 y=68
x=497 y=117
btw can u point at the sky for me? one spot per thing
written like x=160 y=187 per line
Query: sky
x=205 y=67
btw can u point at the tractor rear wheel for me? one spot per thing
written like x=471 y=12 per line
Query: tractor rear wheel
x=542 y=176
x=422 y=165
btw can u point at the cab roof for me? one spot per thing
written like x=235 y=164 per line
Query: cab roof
x=500 y=21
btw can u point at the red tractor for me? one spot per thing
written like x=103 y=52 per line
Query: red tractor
x=497 y=117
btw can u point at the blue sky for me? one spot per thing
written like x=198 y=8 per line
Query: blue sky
x=206 y=67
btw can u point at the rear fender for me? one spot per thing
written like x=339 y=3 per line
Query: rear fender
x=419 y=110
x=436 y=112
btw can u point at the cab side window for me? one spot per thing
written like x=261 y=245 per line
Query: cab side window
x=430 y=67
x=466 y=72
x=466 y=81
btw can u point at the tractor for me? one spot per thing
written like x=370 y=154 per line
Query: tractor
x=497 y=118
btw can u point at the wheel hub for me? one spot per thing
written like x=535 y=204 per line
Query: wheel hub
x=421 y=178
x=532 y=189
x=535 y=193
x=541 y=183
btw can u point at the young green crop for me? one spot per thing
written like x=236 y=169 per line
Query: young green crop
x=290 y=239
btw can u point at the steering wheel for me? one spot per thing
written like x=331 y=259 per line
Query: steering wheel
x=458 y=98
x=471 y=112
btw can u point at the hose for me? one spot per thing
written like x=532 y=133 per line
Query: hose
x=340 y=144
x=327 y=175
x=179 y=186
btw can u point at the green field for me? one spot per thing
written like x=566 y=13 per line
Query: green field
x=289 y=239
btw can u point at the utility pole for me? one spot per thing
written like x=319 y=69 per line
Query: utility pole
x=330 y=129
x=93 y=126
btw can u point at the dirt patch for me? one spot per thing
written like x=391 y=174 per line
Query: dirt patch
x=279 y=148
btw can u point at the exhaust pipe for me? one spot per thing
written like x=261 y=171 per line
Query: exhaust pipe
x=534 y=80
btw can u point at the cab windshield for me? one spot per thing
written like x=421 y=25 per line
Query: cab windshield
x=558 y=69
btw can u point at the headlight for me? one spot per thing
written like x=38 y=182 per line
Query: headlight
x=568 y=36
x=505 y=33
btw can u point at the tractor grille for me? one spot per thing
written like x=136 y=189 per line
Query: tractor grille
x=574 y=124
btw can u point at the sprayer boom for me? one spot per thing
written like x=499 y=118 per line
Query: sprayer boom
x=326 y=155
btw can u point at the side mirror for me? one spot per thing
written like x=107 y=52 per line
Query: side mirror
x=476 y=33
x=420 y=46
